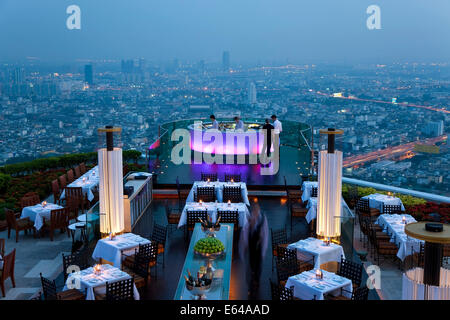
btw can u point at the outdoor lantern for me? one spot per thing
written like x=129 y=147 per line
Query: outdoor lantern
x=329 y=205
x=111 y=183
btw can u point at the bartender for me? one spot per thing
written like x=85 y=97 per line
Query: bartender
x=239 y=124
x=215 y=124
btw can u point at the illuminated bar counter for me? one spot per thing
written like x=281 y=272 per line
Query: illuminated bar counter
x=220 y=287
x=234 y=142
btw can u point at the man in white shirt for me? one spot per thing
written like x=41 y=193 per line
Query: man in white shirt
x=239 y=124
x=215 y=124
x=277 y=124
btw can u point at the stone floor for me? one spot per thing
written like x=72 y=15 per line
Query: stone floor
x=33 y=256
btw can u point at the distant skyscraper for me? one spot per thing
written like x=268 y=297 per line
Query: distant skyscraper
x=251 y=93
x=434 y=128
x=127 y=66
x=226 y=60
x=88 y=74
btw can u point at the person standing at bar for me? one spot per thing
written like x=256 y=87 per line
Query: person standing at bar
x=239 y=124
x=215 y=124
x=268 y=131
x=278 y=128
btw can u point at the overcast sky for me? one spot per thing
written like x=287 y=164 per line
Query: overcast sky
x=302 y=31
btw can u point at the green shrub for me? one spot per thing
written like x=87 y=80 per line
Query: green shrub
x=5 y=179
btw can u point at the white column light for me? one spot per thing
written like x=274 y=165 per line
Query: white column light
x=329 y=205
x=111 y=190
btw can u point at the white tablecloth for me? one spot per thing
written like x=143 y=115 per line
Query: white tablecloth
x=87 y=279
x=312 y=247
x=306 y=187
x=218 y=186
x=393 y=225
x=212 y=208
x=111 y=250
x=37 y=213
x=307 y=286
x=89 y=184
x=377 y=200
x=312 y=206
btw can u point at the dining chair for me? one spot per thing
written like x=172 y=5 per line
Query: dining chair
x=56 y=191
x=29 y=200
x=234 y=177
x=8 y=270
x=50 y=291
x=75 y=195
x=159 y=235
x=232 y=194
x=63 y=181
x=70 y=176
x=83 y=169
x=77 y=172
x=2 y=247
x=18 y=224
x=210 y=176
x=58 y=220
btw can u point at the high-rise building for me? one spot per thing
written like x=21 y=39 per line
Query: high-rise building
x=252 y=93
x=88 y=74
x=434 y=128
x=226 y=60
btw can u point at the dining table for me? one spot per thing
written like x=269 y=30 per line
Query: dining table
x=394 y=225
x=38 y=212
x=307 y=286
x=377 y=200
x=212 y=209
x=315 y=248
x=88 y=182
x=306 y=188
x=218 y=187
x=112 y=250
x=89 y=280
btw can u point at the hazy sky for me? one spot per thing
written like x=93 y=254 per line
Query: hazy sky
x=303 y=31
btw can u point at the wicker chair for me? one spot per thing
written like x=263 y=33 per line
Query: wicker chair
x=122 y=290
x=79 y=259
x=18 y=224
x=296 y=210
x=210 y=176
x=159 y=235
x=363 y=207
x=284 y=254
x=139 y=270
x=232 y=194
x=287 y=268
x=58 y=220
x=281 y=293
x=9 y=261
x=182 y=194
x=314 y=192
x=229 y=216
x=279 y=237
x=351 y=270
x=234 y=177
x=50 y=291
x=70 y=176
x=194 y=216
x=172 y=215
x=291 y=193
x=358 y=294
x=145 y=252
x=206 y=194
x=392 y=209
